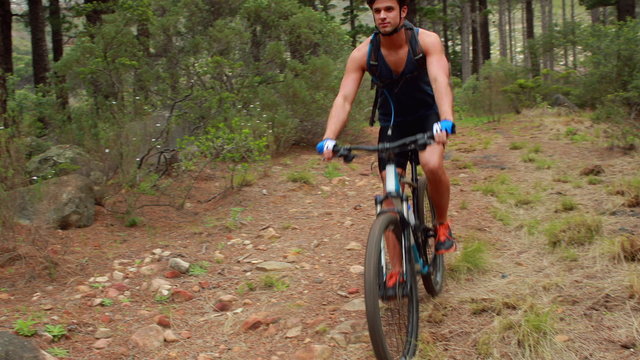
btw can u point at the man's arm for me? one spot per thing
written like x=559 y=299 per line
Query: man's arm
x=438 y=69
x=339 y=114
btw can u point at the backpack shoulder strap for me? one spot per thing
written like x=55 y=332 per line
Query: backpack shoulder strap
x=373 y=69
x=414 y=44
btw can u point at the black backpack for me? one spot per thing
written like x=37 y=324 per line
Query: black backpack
x=411 y=33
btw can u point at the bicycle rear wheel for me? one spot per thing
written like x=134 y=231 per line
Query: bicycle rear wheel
x=433 y=280
x=392 y=316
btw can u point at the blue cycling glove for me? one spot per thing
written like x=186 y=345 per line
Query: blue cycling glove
x=444 y=125
x=326 y=144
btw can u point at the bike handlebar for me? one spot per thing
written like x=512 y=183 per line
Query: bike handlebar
x=409 y=143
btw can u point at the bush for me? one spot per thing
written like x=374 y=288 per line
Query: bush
x=573 y=230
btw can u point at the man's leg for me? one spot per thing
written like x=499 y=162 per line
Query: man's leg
x=432 y=162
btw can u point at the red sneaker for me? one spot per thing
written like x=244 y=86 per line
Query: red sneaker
x=445 y=243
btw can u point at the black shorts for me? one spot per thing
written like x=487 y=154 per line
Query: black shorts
x=401 y=131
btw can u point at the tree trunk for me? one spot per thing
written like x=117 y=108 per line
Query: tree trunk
x=545 y=25
x=412 y=10
x=352 y=23
x=565 y=49
x=39 y=51
x=510 y=32
x=97 y=9
x=6 y=62
x=574 y=47
x=626 y=9
x=57 y=44
x=464 y=40
x=534 y=65
x=485 y=41
x=445 y=27
x=502 y=31
x=475 y=41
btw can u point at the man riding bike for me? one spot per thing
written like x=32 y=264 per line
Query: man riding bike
x=413 y=97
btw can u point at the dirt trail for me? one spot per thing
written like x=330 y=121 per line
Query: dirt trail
x=564 y=304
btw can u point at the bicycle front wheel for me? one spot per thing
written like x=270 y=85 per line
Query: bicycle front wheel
x=433 y=280
x=392 y=312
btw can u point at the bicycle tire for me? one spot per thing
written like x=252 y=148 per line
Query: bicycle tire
x=433 y=280
x=392 y=323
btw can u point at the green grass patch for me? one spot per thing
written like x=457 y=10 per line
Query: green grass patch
x=567 y=204
x=574 y=230
x=472 y=259
x=198 y=269
x=502 y=216
x=535 y=331
x=517 y=145
x=58 y=352
x=272 y=282
x=25 y=327
x=332 y=170
x=302 y=177
x=594 y=180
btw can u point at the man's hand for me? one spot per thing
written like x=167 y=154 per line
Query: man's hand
x=325 y=147
x=442 y=129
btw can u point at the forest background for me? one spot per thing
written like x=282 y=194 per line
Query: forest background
x=139 y=84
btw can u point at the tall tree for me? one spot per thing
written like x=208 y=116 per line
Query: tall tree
x=502 y=27
x=39 y=51
x=57 y=45
x=95 y=10
x=626 y=9
x=483 y=25
x=6 y=62
x=475 y=38
x=351 y=13
x=445 y=27
x=532 y=55
x=465 y=28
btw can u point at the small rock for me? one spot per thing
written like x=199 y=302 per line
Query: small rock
x=256 y=320
x=103 y=333
x=185 y=334
x=354 y=246
x=314 y=352
x=274 y=266
x=83 y=288
x=562 y=338
x=181 y=295
x=294 y=332
x=269 y=233
x=357 y=269
x=218 y=256
x=149 y=269
x=96 y=302
x=170 y=337
x=352 y=291
x=157 y=251
x=157 y=284
x=149 y=337
x=112 y=293
x=339 y=339
x=117 y=275
x=228 y=298
x=102 y=279
x=172 y=274
x=223 y=306
x=355 y=305
x=348 y=223
x=120 y=287
x=163 y=321
x=105 y=318
x=179 y=265
x=101 y=344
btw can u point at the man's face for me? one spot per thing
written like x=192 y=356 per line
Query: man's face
x=387 y=15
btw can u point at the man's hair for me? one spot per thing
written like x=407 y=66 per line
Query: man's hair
x=401 y=3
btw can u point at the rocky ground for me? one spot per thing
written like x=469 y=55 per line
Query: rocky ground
x=274 y=270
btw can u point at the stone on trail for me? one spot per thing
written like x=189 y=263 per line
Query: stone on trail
x=103 y=333
x=355 y=305
x=314 y=352
x=101 y=344
x=293 y=332
x=269 y=233
x=179 y=265
x=357 y=269
x=13 y=347
x=149 y=337
x=274 y=266
x=354 y=246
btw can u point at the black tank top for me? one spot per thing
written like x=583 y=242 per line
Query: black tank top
x=407 y=97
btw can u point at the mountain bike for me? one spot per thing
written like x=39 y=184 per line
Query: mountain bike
x=392 y=312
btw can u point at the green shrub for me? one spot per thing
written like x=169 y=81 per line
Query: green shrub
x=25 y=327
x=472 y=259
x=303 y=177
x=574 y=230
